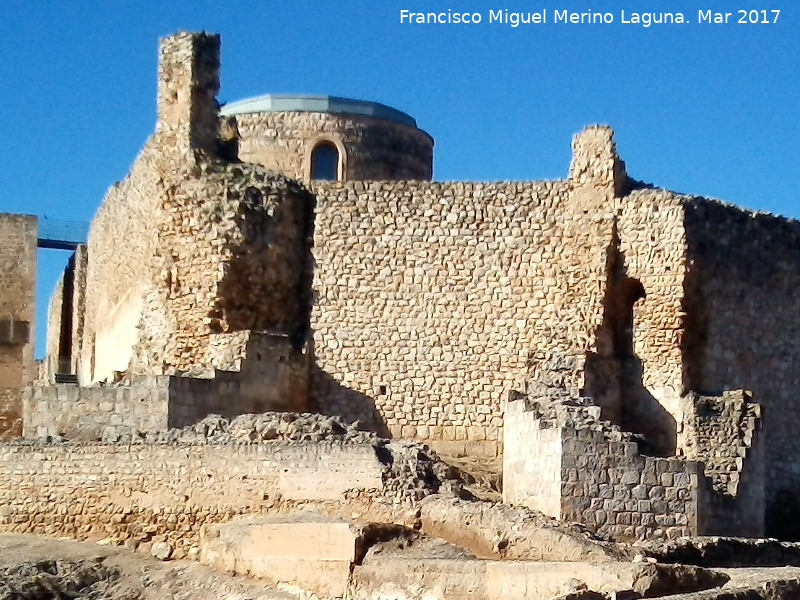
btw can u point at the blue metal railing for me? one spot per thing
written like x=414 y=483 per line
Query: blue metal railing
x=62 y=235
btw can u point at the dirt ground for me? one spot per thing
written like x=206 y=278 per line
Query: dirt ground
x=30 y=565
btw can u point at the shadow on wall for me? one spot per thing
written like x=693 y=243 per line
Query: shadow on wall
x=330 y=397
x=643 y=414
x=780 y=518
x=616 y=385
x=742 y=331
x=614 y=375
x=267 y=284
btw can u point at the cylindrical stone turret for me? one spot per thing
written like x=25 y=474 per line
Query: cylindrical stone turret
x=324 y=137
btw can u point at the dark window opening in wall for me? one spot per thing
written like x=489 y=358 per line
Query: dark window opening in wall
x=382 y=390
x=64 y=365
x=325 y=162
x=631 y=291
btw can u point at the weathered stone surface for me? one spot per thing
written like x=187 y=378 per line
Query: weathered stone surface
x=416 y=578
x=374 y=149
x=304 y=550
x=561 y=459
x=725 y=552
x=161 y=550
x=497 y=531
x=18 y=236
x=153 y=493
x=542 y=580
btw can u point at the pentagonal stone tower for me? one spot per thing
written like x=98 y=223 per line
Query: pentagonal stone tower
x=329 y=138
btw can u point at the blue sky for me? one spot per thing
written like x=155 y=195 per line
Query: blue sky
x=698 y=108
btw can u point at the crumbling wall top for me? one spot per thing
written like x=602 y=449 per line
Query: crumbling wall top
x=595 y=163
x=188 y=82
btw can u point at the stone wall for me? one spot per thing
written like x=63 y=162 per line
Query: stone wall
x=122 y=239
x=424 y=314
x=579 y=469
x=722 y=433
x=18 y=241
x=65 y=317
x=189 y=248
x=652 y=251
x=146 y=493
x=93 y=413
x=435 y=300
x=373 y=149
x=742 y=330
x=725 y=435
x=274 y=377
x=531 y=461
x=53 y=341
x=80 y=261
x=611 y=487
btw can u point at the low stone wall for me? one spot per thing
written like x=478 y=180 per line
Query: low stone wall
x=267 y=374
x=531 y=462
x=611 y=488
x=274 y=376
x=149 y=492
x=92 y=413
x=599 y=475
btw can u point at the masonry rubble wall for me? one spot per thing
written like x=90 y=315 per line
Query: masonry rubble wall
x=65 y=316
x=151 y=492
x=122 y=239
x=189 y=252
x=92 y=413
x=652 y=252
x=724 y=433
x=597 y=476
x=54 y=310
x=373 y=149
x=432 y=301
x=80 y=263
x=611 y=487
x=742 y=330
x=18 y=242
x=151 y=403
x=437 y=299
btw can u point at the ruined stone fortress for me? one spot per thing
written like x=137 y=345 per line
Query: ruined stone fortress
x=632 y=353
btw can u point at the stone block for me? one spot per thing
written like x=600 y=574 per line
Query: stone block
x=306 y=550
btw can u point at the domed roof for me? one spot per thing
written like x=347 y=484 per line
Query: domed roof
x=322 y=104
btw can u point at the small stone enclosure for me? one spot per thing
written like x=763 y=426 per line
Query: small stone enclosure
x=631 y=352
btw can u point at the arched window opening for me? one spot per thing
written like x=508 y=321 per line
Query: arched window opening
x=325 y=162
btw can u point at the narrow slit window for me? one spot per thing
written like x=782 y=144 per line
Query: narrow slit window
x=325 y=162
